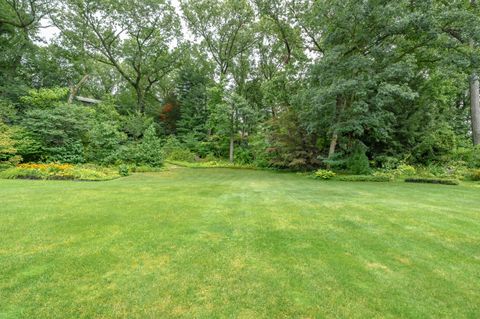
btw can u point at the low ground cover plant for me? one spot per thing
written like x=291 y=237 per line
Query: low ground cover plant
x=325 y=174
x=55 y=171
x=212 y=164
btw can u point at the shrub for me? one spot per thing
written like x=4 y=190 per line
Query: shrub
x=8 y=151
x=147 y=152
x=390 y=175
x=358 y=163
x=386 y=162
x=213 y=164
x=475 y=175
x=468 y=155
x=55 y=134
x=362 y=178
x=174 y=150
x=123 y=170
x=181 y=154
x=324 y=174
x=243 y=155
x=55 y=171
x=433 y=181
x=405 y=170
x=104 y=141
x=44 y=98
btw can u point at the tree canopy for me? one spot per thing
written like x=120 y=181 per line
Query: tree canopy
x=292 y=84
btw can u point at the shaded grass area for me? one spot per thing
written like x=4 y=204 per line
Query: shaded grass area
x=222 y=243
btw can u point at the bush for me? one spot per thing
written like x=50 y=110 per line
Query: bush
x=147 y=152
x=243 y=155
x=104 y=142
x=470 y=156
x=358 y=163
x=44 y=98
x=433 y=181
x=213 y=164
x=8 y=151
x=475 y=175
x=181 y=154
x=324 y=174
x=123 y=170
x=55 y=171
x=174 y=150
x=390 y=175
x=55 y=134
x=405 y=170
x=362 y=178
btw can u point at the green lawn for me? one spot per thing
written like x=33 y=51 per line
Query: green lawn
x=220 y=243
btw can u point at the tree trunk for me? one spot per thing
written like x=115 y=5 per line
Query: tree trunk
x=475 y=105
x=333 y=145
x=231 y=147
x=74 y=89
x=140 y=100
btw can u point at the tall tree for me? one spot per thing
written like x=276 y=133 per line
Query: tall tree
x=134 y=37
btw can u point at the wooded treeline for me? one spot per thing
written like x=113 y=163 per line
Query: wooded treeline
x=289 y=84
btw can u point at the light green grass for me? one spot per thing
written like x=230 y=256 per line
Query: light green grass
x=222 y=243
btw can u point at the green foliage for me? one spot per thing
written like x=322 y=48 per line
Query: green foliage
x=149 y=150
x=136 y=124
x=358 y=162
x=470 y=156
x=105 y=140
x=123 y=170
x=8 y=113
x=474 y=175
x=390 y=175
x=60 y=172
x=392 y=75
x=405 y=170
x=436 y=146
x=362 y=178
x=433 y=181
x=44 y=98
x=8 y=151
x=181 y=154
x=243 y=155
x=290 y=145
x=325 y=174
x=213 y=164
x=57 y=133
x=174 y=150
x=144 y=169
x=192 y=95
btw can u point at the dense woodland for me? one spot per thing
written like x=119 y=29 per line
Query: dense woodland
x=290 y=84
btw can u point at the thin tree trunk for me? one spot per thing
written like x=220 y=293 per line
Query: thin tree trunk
x=333 y=145
x=74 y=89
x=140 y=100
x=475 y=105
x=231 y=147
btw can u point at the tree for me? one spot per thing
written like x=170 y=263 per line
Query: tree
x=191 y=93
x=133 y=37
x=224 y=26
x=231 y=113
